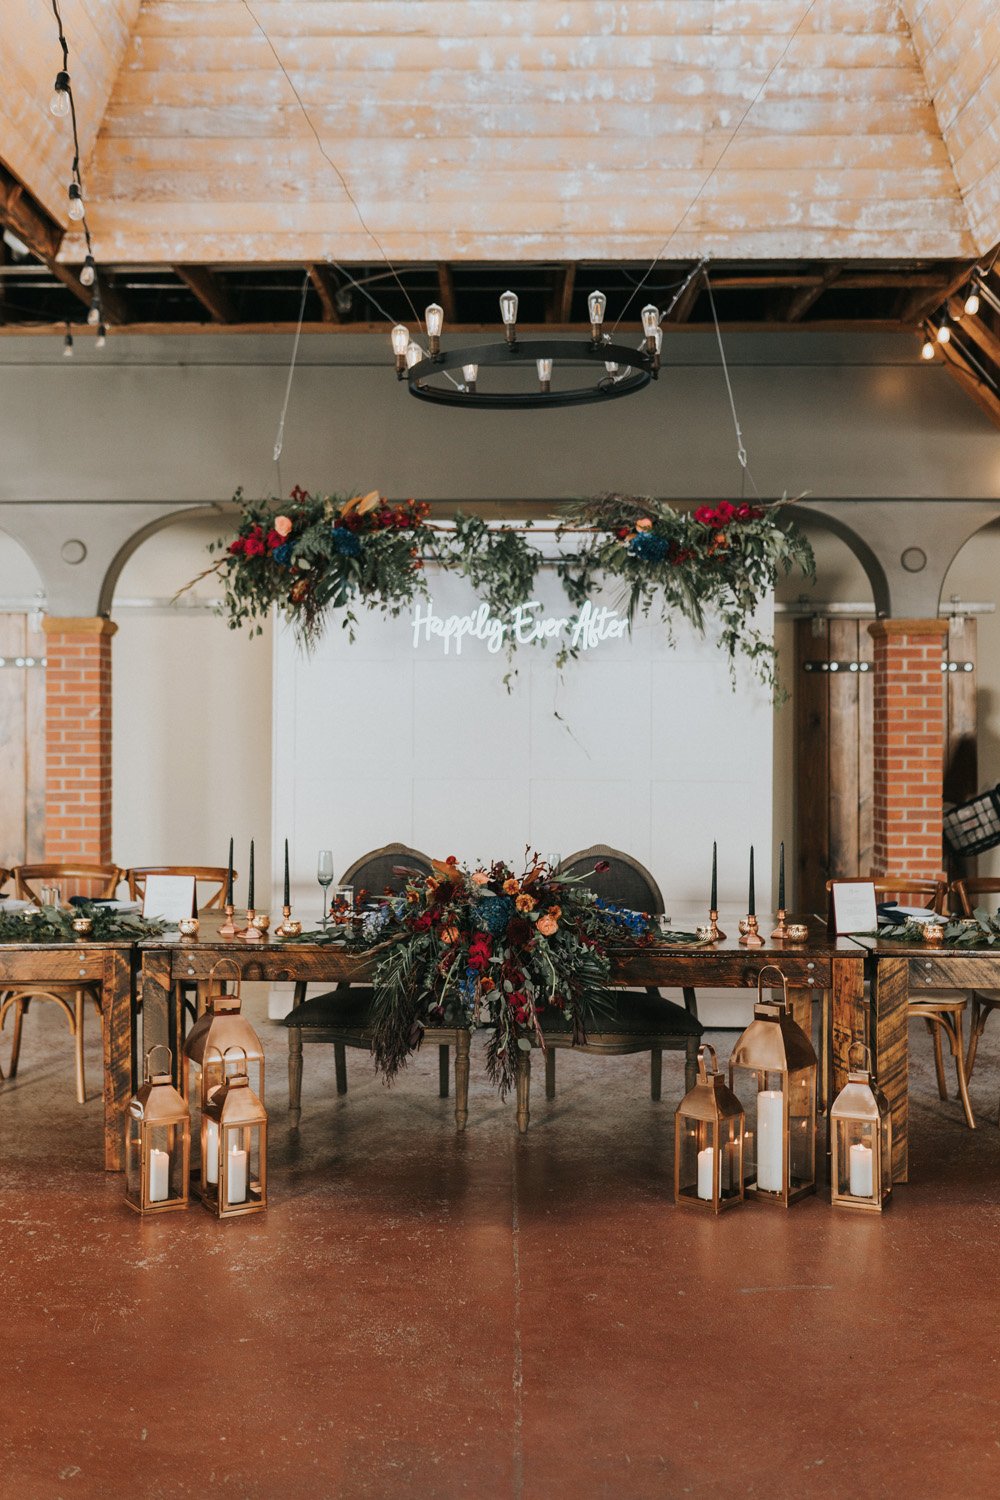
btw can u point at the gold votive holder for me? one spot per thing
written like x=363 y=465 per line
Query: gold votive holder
x=83 y=926
x=932 y=934
x=188 y=927
x=796 y=932
x=288 y=926
x=750 y=932
x=258 y=923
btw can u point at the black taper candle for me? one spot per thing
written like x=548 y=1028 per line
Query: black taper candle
x=714 y=903
x=229 y=877
x=288 y=888
x=781 y=876
x=751 y=909
x=250 y=881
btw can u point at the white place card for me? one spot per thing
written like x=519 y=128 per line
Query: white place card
x=170 y=897
x=854 y=908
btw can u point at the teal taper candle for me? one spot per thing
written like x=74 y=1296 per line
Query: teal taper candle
x=781 y=876
x=250 y=879
x=229 y=877
x=751 y=908
x=714 y=903
x=288 y=888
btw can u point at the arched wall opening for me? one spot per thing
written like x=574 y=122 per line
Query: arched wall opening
x=191 y=727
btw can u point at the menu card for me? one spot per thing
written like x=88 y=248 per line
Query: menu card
x=854 y=906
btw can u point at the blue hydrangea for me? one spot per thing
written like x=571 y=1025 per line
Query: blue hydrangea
x=345 y=542
x=283 y=553
x=495 y=912
x=649 y=546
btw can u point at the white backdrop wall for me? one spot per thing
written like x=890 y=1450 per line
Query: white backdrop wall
x=637 y=744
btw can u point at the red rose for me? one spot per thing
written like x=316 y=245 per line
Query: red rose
x=254 y=546
x=743 y=512
x=274 y=539
x=423 y=922
x=622 y=533
x=237 y=547
x=724 y=513
x=705 y=515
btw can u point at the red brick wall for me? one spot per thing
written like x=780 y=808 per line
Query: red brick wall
x=908 y=690
x=78 y=739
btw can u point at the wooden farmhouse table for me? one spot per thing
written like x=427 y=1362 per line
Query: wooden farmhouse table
x=819 y=965
x=111 y=966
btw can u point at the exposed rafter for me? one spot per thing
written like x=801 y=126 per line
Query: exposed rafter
x=323 y=280
x=210 y=292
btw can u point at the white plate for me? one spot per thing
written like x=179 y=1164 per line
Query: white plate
x=910 y=914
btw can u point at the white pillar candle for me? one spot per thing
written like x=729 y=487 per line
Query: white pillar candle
x=705 y=1173
x=237 y=1176
x=212 y=1152
x=159 y=1176
x=861 y=1171
x=770 y=1150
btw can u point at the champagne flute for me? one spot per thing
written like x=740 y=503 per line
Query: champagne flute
x=324 y=874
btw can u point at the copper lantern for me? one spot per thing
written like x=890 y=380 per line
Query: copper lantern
x=222 y=1028
x=233 y=1176
x=861 y=1141
x=708 y=1141
x=773 y=1072
x=157 y=1143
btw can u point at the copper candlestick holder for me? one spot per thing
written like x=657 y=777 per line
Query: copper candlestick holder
x=749 y=934
x=780 y=932
x=715 y=934
x=229 y=928
x=287 y=927
x=252 y=933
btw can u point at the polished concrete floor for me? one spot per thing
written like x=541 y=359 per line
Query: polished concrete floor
x=425 y=1315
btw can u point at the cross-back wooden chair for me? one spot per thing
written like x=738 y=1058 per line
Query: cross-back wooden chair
x=210 y=882
x=967 y=896
x=343 y=1015
x=642 y=1020
x=74 y=879
x=942 y=1010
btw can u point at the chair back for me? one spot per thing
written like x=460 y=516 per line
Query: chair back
x=966 y=892
x=627 y=882
x=382 y=869
x=74 y=878
x=4 y=877
x=908 y=889
x=210 y=882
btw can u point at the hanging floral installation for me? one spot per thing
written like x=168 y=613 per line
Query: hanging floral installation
x=320 y=555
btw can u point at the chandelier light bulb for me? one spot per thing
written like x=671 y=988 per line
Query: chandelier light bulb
x=596 y=306
x=434 y=318
x=400 y=337
x=972 y=302
x=94 y=313
x=508 y=311
x=414 y=354
x=68 y=345
x=76 y=208
x=944 y=332
x=88 y=272
x=102 y=336
x=544 y=368
x=470 y=374
x=612 y=369
x=927 y=352
x=650 y=322
x=59 y=103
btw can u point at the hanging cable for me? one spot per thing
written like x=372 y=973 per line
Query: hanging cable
x=279 y=439
x=62 y=104
x=741 y=452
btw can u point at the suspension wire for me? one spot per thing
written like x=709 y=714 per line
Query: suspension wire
x=279 y=440
x=323 y=151
x=741 y=452
x=77 y=176
x=718 y=162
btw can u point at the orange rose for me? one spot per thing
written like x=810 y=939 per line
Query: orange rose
x=645 y=524
x=546 y=926
x=511 y=887
x=524 y=903
x=555 y=911
x=486 y=984
x=480 y=877
x=449 y=935
x=282 y=525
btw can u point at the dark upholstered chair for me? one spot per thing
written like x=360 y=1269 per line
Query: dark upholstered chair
x=343 y=1015
x=968 y=895
x=642 y=1021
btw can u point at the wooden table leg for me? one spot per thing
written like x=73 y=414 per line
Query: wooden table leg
x=802 y=1009
x=890 y=1003
x=523 y=1089
x=158 y=1012
x=462 y=1045
x=118 y=1054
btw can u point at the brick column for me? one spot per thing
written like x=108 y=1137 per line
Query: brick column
x=78 y=739
x=907 y=791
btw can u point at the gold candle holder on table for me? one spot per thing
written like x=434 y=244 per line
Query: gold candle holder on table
x=749 y=932
x=287 y=926
x=257 y=925
x=83 y=926
x=781 y=931
x=715 y=933
x=229 y=928
x=188 y=927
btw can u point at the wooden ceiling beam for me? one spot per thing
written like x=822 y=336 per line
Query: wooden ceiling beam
x=971 y=381
x=25 y=217
x=325 y=284
x=209 y=291
x=922 y=303
x=975 y=329
x=684 y=306
x=446 y=291
x=802 y=300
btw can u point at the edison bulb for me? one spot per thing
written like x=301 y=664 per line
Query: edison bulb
x=88 y=271
x=434 y=318
x=400 y=337
x=508 y=308
x=544 y=368
x=94 y=313
x=59 y=103
x=650 y=320
x=927 y=352
x=414 y=354
x=972 y=303
x=102 y=336
x=76 y=208
x=944 y=334
x=68 y=346
x=596 y=306
x=470 y=374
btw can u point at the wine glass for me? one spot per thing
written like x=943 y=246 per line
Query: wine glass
x=324 y=874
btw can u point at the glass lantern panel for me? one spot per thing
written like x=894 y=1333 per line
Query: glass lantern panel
x=133 y=1160
x=760 y=1091
x=802 y=1127
x=241 y=1170
x=697 y=1149
x=886 y=1161
x=855 y=1158
x=729 y=1159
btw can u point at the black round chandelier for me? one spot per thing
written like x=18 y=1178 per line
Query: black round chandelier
x=621 y=370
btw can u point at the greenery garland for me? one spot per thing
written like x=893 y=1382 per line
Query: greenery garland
x=319 y=554
x=978 y=931
x=54 y=924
